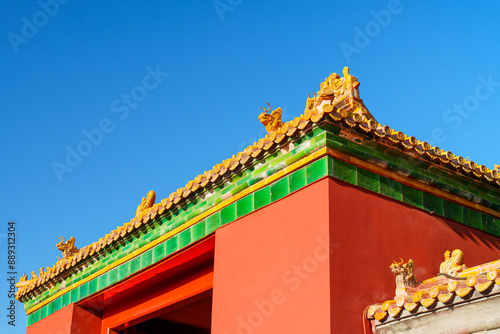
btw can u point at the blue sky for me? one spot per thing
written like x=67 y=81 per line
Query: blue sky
x=167 y=89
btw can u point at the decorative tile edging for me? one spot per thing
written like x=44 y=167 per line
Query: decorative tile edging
x=417 y=198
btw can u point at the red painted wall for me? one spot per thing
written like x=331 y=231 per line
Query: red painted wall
x=273 y=274
x=69 y=320
x=290 y=249
x=271 y=271
x=369 y=231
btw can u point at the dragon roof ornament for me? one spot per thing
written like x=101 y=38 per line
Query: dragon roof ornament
x=335 y=90
x=405 y=278
x=336 y=94
x=453 y=263
x=146 y=203
x=455 y=283
x=67 y=247
x=272 y=121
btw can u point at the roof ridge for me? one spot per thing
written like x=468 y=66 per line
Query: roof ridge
x=439 y=291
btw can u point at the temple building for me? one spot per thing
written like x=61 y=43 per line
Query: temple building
x=331 y=223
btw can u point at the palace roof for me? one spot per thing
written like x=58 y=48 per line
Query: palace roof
x=336 y=105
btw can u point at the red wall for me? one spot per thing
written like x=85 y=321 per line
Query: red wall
x=69 y=320
x=260 y=285
x=271 y=269
x=369 y=231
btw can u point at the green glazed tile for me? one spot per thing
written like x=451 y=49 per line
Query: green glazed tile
x=184 y=238
x=239 y=188
x=442 y=185
x=412 y=196
x=57 y=304
x=29 y=321
x=343 y=171
x=262 y=197
x=199 y=230
x=165 y=219
x=147 y=258
x=159 y=252
x=50 y=308
x=124 y=270
x=93 y=288
x=192 y=215
x=317 y=170
x=228 y=214
x=142 y=241
x=135 y=264
x=255 y=179
x=453 y=211
x=279 y=189
x=172 y=244
x=113 y=276
x=360 y=147
x=244 y=206
x=278 y=161
x=66 y=300
x=261 y=170
x=237 y=177
x=102 y=281
x=494 y=206
x=368 y=180
x=43 y=312
x=74 y=295
x=36 y=316
x=314 y=147
x=295 y=157
x=433 y=204
x=84 y=290
x=472 y=218
x=273 y=170
x=333 y=144
x=390 y=188
x=491 y=224
x=298 y=179
x=213 y=222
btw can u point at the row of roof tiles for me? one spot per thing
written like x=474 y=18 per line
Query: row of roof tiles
x=440 y=292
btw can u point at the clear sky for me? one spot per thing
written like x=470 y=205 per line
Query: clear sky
x=167 y=89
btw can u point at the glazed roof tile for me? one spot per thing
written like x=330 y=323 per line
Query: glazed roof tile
x=440 y=292
x=332 y=104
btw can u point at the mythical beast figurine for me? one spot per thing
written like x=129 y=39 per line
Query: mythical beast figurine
x=453 y=263
x=146 y=202
x=272 y=121
x=67 y=247
x=404 y=273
